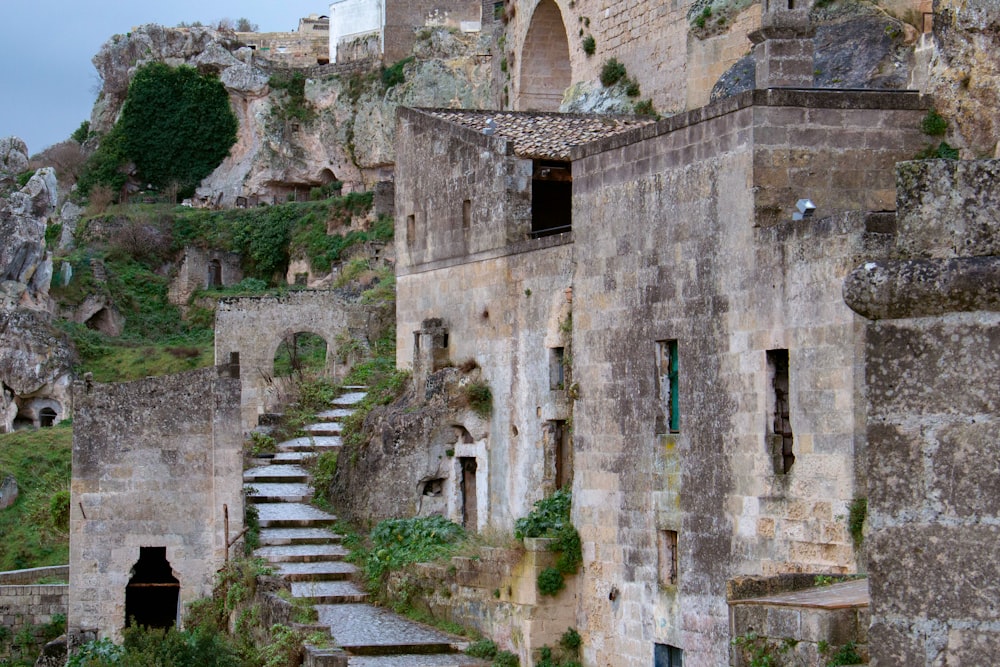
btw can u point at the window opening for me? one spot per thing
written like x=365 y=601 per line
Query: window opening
x=551 y=198
x=665 y=655
x=666 y=543
x=557 y=368
x=466 y=214
x=47 y=417
x=214 y=278
x=668 y=418
x=470 y=509
x=781 y=436
x=411 y=229
x=152 y=592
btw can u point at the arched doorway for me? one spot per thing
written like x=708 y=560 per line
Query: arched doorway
x=47 y=417
x=545 y=68
x=153 y=591
x=300 y=353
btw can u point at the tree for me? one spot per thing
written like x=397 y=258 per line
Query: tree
x=243 y=24
x=176 y=125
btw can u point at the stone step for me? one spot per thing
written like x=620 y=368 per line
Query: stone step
x=310 y=444
x=280 y=473
x=323 y=428
x=301 y=553
x=335 y=414
x=349 y=399
x=284 y=536
x=363 y=629
x=278 y=493
x=292 y=515
x=432 y=660
x=328 y=592
x=335 y=570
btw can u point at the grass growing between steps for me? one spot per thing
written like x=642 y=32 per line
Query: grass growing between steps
x=35 y=528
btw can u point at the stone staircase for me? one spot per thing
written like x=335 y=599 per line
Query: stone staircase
x=295 y=537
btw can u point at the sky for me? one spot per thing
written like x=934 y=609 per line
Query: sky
x=48 y=83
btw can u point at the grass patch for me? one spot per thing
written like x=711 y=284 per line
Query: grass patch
x=36 y=526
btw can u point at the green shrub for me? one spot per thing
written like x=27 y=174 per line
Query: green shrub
x=394 y=74
x=612 y=72
x=856 y=519
x=324 y=467
x=845 y=655
x=506 y=659
x=82 y=133
x=399 y=542
x=570 y=641
x=262 y=443
x=294 y=106
x=479 y=397
x=589 y=45
x=483 y=648
x=942 y=151
x=550 y=581
x=632 y=88
x=934 y=124
x=24 y=177
x=644 y=108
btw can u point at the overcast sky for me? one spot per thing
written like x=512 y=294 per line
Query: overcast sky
x=48 y=83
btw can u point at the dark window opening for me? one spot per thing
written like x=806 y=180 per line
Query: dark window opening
x=551 y=198
x=557 y=368
x=781 y=437
x=433 y=487
x=47 y=417
x=463 y=434
x=470 y=508
x=466 y=214
x=411 y=230
x=302 y=279
x=665 y=655
x=214 y=278
x=561 y=453
x=668 y=417
x=444 y=340
x=152 y=593
x=666 y=543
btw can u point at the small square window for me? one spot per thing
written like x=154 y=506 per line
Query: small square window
x=665 y=655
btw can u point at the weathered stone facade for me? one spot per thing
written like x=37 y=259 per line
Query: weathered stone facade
x=253 y=328
x=24 y=603
x=932 y=353
x=155 y=464
x=203 y=268
x=683 y=245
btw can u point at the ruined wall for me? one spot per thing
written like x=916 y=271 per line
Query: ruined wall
x=403 y=19
x=154 y=463
x=684 y=233
x=254 y=327
x=27 y=605
x=502 y=298
x=201 y=269
x=933 y=352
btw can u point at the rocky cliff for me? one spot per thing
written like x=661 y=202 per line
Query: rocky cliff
x=343 y=129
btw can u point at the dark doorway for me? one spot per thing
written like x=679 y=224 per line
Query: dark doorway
x=551 y=198
x=470 y=509
x=214 y=278
x=152 y=593
x=47 y=417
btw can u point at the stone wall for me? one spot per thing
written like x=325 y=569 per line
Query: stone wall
x=155 y=462
x=27 y=605
x=684 y=233
x=403 y=19
x=254 y=327
x=932 y=346
x=201 y=269
x=289 y=49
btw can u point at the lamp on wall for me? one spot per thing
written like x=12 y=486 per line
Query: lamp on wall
x=806 y=209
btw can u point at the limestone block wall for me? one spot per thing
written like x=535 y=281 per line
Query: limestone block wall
x=404 y=18
x=24 y=606
x=289 y=49
x=682 y=233
x=199 y=269
x=932 y=345
x=154 y=463
x=254 y=327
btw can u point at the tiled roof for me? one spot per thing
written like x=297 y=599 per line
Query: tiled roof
x=543 y=135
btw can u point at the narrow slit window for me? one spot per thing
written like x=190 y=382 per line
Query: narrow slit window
x=666 y=543
x=466 y=214
x=781 y=437
x=557 y=368
x=668 y=387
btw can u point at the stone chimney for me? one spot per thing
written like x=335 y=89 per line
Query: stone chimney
x=783 y=46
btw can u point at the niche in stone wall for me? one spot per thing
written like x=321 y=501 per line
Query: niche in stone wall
x=153 y=591
x=551 y=198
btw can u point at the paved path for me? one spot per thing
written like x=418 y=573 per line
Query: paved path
x=296 y=539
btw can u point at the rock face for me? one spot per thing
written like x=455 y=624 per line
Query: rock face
x=13 y=161
x=965 y=73
x=348 y=130
x=25 y=265
x=856 y=46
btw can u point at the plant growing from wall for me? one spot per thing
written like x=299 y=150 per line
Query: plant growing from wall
x=589 y=45
x=551 y=518
x=612 y=72
x=294 y=106
x=395 y=74
x=845 y=655
x=396 y=543
x=479 y=398
x=857 y=513
x=934 y=124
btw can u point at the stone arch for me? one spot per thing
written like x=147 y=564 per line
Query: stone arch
x=545 y=69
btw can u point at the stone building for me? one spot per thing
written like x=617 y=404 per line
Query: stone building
x=657 y=308
x=386 y=29
x=156 y=465
x=308 y=45
x=203 y=268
